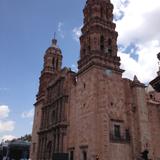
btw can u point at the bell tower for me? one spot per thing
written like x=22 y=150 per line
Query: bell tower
x=52 y=66
x=99 y=38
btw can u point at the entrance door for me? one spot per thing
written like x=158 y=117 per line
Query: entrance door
x=60 y=156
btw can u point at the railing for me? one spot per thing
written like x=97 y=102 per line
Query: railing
x=120 y=139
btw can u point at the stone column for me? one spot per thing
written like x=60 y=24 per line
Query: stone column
x=142 y=120
x=60 y=114
x=64 y=110
x=42 y=148
x=56 y=142
x=39 y=148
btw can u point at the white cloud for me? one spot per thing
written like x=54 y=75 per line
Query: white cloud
x=119 y=6
x=7 y=125
x=4 y=111
x=60 y=25
x=74 y=67
x=7 y=137
x=76 y=33
x=137 y=23
x=28 y=114
x=146 y=66
x=140 y=26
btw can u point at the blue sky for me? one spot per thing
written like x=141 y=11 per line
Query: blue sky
x=26 y=30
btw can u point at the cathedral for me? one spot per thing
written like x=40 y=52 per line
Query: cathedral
x=95 y=114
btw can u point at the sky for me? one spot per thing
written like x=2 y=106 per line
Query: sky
x=26 y=31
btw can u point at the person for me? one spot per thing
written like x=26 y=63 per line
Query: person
x=145 y=154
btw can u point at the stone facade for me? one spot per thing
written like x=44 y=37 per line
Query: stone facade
x=94 y=114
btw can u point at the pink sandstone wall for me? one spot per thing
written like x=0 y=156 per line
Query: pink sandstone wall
x=36 y=126
x=92 y=108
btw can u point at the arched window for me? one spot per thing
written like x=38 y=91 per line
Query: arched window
x=110 y=46
x=84 y=51
x=57 y=64
x=101 y=12
x=89 y=44
x=109 y=42
x=53 y=117
x=106 y=13
x=53 y=62
x=102 y=43
x=89 y=48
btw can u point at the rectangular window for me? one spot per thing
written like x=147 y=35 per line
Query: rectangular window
x=117 y=133
x=84 y=155
x=84 y=152
x=72 y=155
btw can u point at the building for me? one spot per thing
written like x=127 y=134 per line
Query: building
x=94 y=114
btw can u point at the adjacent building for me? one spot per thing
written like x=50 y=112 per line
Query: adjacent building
x=94 y=114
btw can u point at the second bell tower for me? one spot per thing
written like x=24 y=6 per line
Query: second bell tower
x=99 y=38
x=51 y=67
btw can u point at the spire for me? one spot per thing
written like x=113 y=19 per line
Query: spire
x=54 y=41
x=54 y=35
x=135 y=79
x=137 y=83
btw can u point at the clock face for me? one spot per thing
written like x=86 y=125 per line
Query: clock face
x=108 y=72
